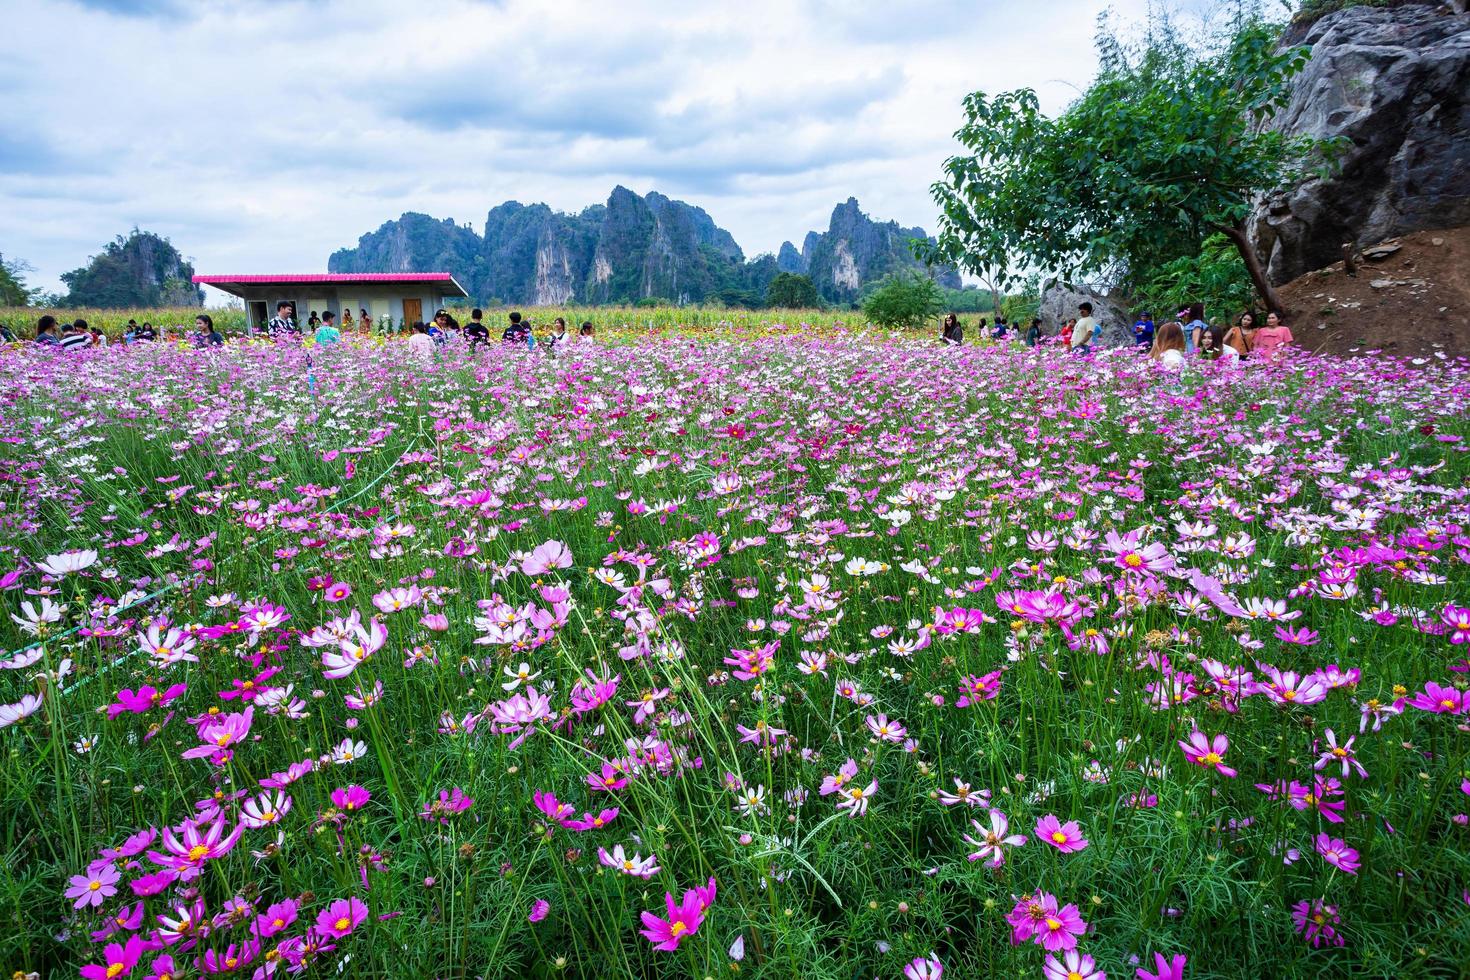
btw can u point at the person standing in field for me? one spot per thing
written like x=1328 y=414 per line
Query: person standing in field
x=1195 y=327
x=6 y=334
x=516 y=332
x=420 y=344
x=585 y=335
x=952 y=332
x=557 y=337
x=282 y=323
x=475 y=331
x=1270 y=339
x=1082 y=332
x=327 y=333
x=1143 y=330
x=1033 y=332
x=364 y=322
x=205 y=334
x=1002 y=328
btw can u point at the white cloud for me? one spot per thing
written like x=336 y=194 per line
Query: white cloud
x=262 y=136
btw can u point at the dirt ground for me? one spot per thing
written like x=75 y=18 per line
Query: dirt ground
x=1415 y=301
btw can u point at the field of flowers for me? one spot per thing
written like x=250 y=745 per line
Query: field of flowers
x=765 y=657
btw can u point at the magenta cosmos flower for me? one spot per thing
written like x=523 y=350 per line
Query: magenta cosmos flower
x=683 y=920
x=341 y=917
x=337 y=591
x=1164 y=969
x=1317 y=922
x=1207 y=751
x=1336 y=853
x=120 y=958
x=539 y=909
x=349 y=798
x=1065 y=837
x=1037 y=918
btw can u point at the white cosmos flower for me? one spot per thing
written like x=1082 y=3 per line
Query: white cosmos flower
x=20 y=710
x=68 y=562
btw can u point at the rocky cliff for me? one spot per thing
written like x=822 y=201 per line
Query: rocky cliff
x=632 y=248
x=1395 y=83
x=853 y=251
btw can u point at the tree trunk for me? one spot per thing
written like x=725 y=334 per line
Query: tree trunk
x=1253 y=266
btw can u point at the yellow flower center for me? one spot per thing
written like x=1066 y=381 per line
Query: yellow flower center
x=94 y=885
x=198 y=851
x=1059 y=837
x=1133 y=561
x=342 y=924
x=1212 y=759
x=678 y=929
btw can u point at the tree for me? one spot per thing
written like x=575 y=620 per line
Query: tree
x=13 y=288
x=906 y=299
x=1167 y=147
x=792 y=291
x=139 y=271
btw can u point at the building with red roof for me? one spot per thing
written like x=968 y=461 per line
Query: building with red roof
x=396 y=297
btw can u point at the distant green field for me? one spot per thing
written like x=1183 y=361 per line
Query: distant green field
x=610 y=320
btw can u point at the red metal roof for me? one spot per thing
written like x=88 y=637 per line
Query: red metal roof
x=226 y=282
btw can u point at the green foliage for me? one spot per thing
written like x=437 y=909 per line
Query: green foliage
x=13 y=289
x=790 y=290
x=1021 y=307
x=1160 y=152
x=1215 y=277
x=903 y=300
x=140 y=270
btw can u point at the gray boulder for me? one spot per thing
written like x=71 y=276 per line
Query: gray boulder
x=1396 y=83
x=1059 y=303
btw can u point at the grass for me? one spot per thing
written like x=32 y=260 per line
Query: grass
x=890 y=520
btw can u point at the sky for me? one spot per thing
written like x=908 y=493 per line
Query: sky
x=260 y=136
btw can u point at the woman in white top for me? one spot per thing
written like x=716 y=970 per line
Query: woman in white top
x=420 y=344
x=1168 y=347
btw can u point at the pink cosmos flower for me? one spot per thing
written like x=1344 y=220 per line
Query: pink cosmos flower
x=341 y=917
x=1209 y=752
x=337 y=591
x=276 y=917
x=1065 y=837
x=638 y=867
x=1073 y=965
x=682 y=921
x=855 y=799
x=194 y=845
x=94 y=887
x=539 y=910
x=1164 y=969
x=451 y=803
x=1343 y=754
x=1336 y=853
x=552 y=554
x=924 y=968
x=220 y=735
x=590 y=822
x=557 y=812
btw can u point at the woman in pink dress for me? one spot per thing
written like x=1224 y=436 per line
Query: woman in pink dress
x=1269 y=340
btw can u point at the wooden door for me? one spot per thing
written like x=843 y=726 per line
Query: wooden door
x=413 y=311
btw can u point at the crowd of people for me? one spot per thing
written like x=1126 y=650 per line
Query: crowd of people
x=323 y=328
x=1188 y=335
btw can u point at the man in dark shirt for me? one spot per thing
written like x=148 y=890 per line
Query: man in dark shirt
x=475 y=331
x=517 y=332
x=1143 y=330
x=282 y=323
